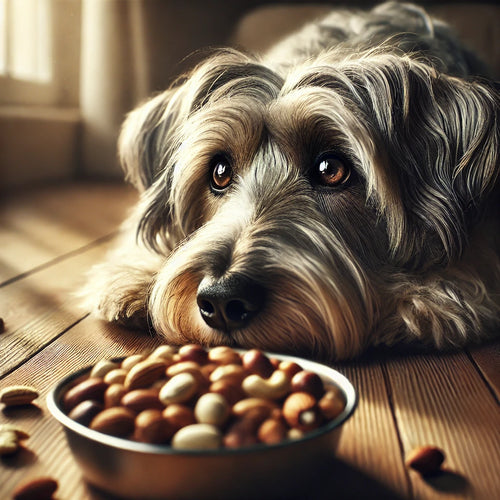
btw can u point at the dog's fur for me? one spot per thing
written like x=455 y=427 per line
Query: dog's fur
x=407 y=248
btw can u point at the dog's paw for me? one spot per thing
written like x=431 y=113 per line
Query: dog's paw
x=118 y=295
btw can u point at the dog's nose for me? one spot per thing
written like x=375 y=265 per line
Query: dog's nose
x=229 y=303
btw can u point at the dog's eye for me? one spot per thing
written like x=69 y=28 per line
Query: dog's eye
x=222 y=174
x=330 y=171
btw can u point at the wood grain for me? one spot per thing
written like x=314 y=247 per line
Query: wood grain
x=39 y=307
x=487 y=359
x=39 y=226
x=370 y=439
x=441 y=400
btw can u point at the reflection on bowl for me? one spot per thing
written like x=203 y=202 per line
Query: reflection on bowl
x=139 y=470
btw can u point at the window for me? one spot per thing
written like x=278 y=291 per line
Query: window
x=39 y=52
x=25 y=27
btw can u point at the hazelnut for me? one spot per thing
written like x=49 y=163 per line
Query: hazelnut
x=258 y=363
x=300 y=410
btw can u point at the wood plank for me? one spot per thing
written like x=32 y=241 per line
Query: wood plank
x=38 y=226
x=39 y=307
x=441 y=400
x=369 y=440
x=487 y=359
x=46 y=450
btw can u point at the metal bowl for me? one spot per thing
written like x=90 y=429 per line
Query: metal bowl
x=137 y=470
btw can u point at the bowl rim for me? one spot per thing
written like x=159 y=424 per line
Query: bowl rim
x=326 y=372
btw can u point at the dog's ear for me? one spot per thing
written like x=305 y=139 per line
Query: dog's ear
x=145 y=137
x=445 y=146
x=439 y=138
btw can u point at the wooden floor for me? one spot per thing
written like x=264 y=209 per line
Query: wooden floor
x=48 y=240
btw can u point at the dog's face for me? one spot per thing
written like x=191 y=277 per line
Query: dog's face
x=290 y=208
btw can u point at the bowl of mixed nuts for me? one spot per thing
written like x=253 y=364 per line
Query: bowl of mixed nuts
x=195 y=422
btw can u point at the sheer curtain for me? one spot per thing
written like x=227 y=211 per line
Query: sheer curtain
x=131 y=48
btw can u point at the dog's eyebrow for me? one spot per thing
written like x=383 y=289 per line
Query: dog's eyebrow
x=237 y=78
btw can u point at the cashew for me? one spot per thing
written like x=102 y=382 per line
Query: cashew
x=274 y=387
x=231 y=371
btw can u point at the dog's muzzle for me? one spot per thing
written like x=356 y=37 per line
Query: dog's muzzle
x=229 y=303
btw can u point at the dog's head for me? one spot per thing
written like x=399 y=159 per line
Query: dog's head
x=288 y=205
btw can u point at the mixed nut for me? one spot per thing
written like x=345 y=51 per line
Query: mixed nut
x=196 y=398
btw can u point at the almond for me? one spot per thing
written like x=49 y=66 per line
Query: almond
x=141 y=399
x=117 y=421
x=17 y=395
x=426 y=460
x=91 y=388
x=144 y=373
x=41 y=488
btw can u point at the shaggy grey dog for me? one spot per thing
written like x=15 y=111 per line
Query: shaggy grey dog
x=341 y=191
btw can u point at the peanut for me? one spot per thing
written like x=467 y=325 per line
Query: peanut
x=332 y=404
x=152 y=427
x=131 y=361
x=272 y=431
x=165 y=352
x=306 y=381
x=224 y=355
x=193 y=352
x=113 y=395
x=229 y=390
x=233 y=372
x=290 y=368
x=85 y=411
x=116 y=376
x=142 y=399
x=179 y=415
x=10 y=436
x=20 y=434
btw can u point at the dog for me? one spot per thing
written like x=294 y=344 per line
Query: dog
x=340 y=191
